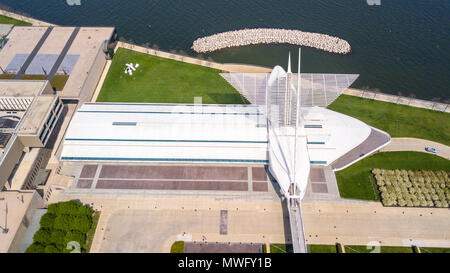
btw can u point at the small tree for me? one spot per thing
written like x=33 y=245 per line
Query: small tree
x=57 y=237
x=42 y=236
x=35 y=248
x=47 y=220
x=51 y=249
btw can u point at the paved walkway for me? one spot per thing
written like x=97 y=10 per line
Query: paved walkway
x=417 y=145
x=152 y=224
x=432 y=105
x=358 y=224
x=24 y=18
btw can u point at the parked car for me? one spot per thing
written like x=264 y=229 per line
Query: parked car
x=431 y=150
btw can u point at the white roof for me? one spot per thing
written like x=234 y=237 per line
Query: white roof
x=166 y=132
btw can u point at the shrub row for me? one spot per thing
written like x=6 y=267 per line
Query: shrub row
x=413 y=188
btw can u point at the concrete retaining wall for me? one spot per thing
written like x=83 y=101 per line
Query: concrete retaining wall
x=23 y=18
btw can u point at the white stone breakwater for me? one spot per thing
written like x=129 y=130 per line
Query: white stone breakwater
x=254 y=36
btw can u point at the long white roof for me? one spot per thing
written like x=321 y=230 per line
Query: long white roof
x=166 y=132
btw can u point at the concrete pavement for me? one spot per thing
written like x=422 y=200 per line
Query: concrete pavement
x=358 y=224
x=152 y=224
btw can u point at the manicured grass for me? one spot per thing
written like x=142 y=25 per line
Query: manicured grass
x=357 y=182
x=397 y=120
x=9 y=20
x=281 y=248
x=90 y=234
x=59 y=81
x=177 y=247
x=383 y=249
x=162 y=80
x=322 y=249
x=434 y=250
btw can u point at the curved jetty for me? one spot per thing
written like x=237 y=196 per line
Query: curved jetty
x=254 y=36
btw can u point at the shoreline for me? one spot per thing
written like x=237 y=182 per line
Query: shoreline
x=247 y=68
x=32 y=21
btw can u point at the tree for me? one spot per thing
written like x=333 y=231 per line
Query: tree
x=85 y=210
x=42 y=236
x=82 y=223
x=64 y=222
x=53 y=209
x=51 y=249
x=47 y=220
x=70 y=207
x=35 y=248
x=57 y=237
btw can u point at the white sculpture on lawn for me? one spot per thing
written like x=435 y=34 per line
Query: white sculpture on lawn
x=130 y=68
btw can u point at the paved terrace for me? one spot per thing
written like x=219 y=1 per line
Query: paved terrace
x=151 y=224
x=22 y=40
x=193 y=178
x=354 y=223
x=87 y=44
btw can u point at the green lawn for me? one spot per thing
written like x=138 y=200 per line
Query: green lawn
x=397 y=120
x=434 y=250
x=281 y=248
x=177 y=247
x=8 y=20
x=162 y=80
x=90 y=234
x=384 y=249
x=356 y=181
x=322 y=249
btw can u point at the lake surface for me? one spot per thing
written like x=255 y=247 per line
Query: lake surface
x=400 y=46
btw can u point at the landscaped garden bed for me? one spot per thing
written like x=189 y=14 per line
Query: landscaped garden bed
x=357 y=181
x=63 y=227
x=407 y=188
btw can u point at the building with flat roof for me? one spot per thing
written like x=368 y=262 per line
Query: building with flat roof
x=29 y=112
x=17 y=209
x=72 y=58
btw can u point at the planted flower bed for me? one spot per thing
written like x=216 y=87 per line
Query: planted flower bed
x=404 y=188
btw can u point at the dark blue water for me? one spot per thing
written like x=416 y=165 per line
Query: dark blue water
x=401 y=46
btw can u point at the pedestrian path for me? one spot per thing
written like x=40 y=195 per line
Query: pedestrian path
x=417 y=145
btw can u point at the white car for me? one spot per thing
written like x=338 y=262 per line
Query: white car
x=431 y=150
